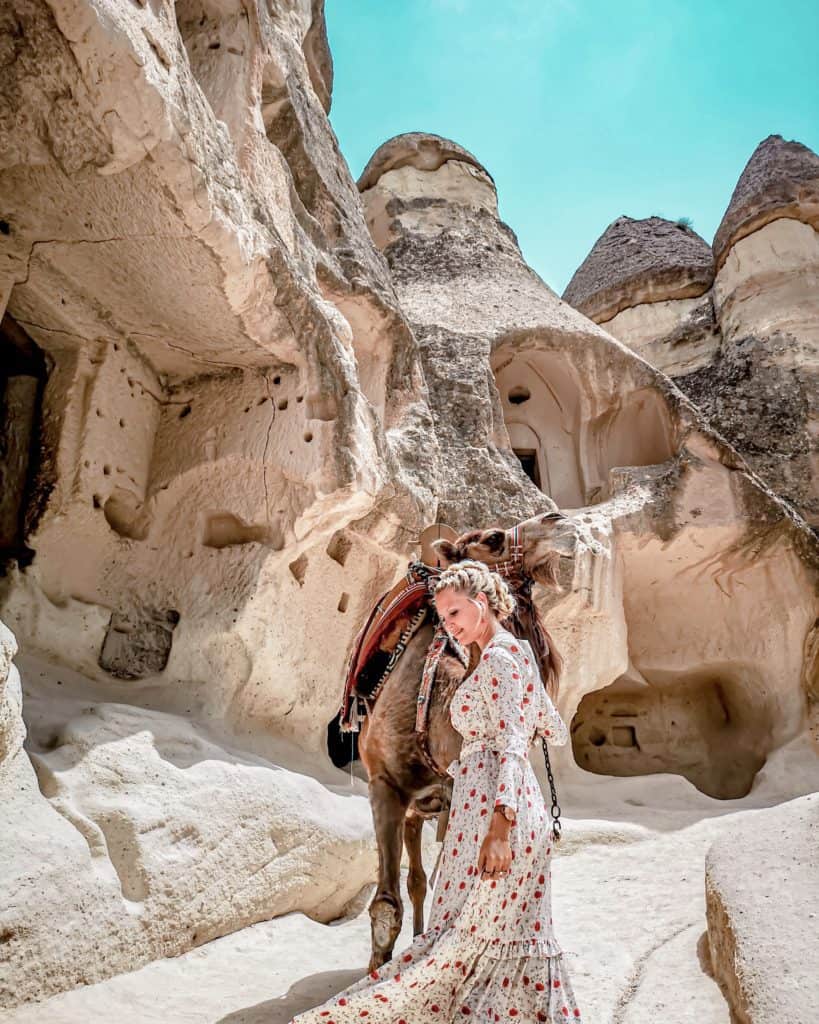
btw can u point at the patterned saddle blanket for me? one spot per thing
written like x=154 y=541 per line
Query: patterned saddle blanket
x=395 y=619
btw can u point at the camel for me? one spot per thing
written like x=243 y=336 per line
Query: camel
x=403 y=787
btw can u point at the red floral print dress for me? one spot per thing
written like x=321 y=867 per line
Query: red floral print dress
x=489 y=951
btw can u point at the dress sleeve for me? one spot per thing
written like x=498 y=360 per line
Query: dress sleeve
x=505 y=683
x=550 y=724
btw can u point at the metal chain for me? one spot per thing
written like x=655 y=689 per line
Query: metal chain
x=555 y=810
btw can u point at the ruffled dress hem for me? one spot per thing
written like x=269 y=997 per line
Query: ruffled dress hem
x=447 y=976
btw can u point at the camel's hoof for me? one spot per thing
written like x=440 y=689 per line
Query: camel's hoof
x=385 y=928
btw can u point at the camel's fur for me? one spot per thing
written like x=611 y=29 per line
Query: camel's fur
x=403 y=790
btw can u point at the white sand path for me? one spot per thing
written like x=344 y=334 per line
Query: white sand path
x=628 y=903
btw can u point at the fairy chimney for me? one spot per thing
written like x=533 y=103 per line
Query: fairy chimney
x=740 y=346
x=640 y=261
x=781 y=180
x=648 y=283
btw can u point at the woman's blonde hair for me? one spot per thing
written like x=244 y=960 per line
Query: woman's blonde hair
x=473 y=578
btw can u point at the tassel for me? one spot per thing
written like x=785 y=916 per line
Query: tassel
x=355 y=718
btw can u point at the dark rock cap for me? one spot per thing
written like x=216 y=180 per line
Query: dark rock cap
x=780 y=180
x=416 y=149
x=637 y=261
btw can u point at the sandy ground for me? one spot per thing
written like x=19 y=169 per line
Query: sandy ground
x=629 y=907
x=629 y=965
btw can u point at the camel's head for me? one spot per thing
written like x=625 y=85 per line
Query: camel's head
x=544 y=539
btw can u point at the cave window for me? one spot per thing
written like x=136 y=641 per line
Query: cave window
x=518 y=395
x=624 y=736
x=528 y=460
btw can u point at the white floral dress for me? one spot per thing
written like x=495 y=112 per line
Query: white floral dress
x=489 y=951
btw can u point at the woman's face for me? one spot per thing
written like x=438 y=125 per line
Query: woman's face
x=464 y=618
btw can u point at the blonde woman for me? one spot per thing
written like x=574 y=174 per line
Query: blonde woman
x=489 y=951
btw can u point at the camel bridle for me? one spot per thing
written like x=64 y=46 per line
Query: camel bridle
x=511 y=568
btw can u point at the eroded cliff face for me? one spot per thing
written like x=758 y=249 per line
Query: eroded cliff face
x=235 y=391
x=736 y=330
x=212 y=410
x=230 y=382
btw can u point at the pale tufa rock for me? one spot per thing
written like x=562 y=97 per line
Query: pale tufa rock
x=154 y=839
x=762 y=905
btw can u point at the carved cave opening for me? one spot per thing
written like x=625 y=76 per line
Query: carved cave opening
x=541 y=407
x=529 y=463
x=138 y=644
x=712 y=725
x=23 y=372
x=637 y=432
x=566 y=445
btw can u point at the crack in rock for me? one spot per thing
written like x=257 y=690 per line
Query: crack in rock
x=638 y=973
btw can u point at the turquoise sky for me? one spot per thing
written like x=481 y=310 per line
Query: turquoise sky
x=582 y=110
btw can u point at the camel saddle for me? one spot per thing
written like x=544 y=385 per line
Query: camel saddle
x=396 y=618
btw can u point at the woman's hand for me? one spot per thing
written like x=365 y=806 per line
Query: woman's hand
x=495 y=857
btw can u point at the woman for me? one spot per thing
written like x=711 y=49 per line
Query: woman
x=489 y=951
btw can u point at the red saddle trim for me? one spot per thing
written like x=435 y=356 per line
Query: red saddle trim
x=407 y=597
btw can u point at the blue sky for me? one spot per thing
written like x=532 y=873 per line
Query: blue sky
x=582 y=110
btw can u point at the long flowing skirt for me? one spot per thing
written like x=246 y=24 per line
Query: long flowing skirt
x=489 y=951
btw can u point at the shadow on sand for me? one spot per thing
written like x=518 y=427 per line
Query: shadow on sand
x=308 y=992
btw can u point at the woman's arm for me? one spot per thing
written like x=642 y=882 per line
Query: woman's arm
x=495 y=855
x=505 y=684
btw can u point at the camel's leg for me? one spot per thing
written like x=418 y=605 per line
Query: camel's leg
x=417 y=880
x=389 y=808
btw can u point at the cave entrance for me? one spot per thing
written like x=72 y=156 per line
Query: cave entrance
x=540 y=403
x=575 y=435
x=711 y=725
x=23 y=371
x=528 y=460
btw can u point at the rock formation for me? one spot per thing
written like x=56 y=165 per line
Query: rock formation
x=235 y=390
x=494 y=342
x=12 y=730
x=737 y=333
x=781 y=180
x=512 y=370
x=208 y=381
x=762 y=893
x=649 y=283
x=763 y=395
x=152 y=838
x=195 y=462
x=640 y=261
